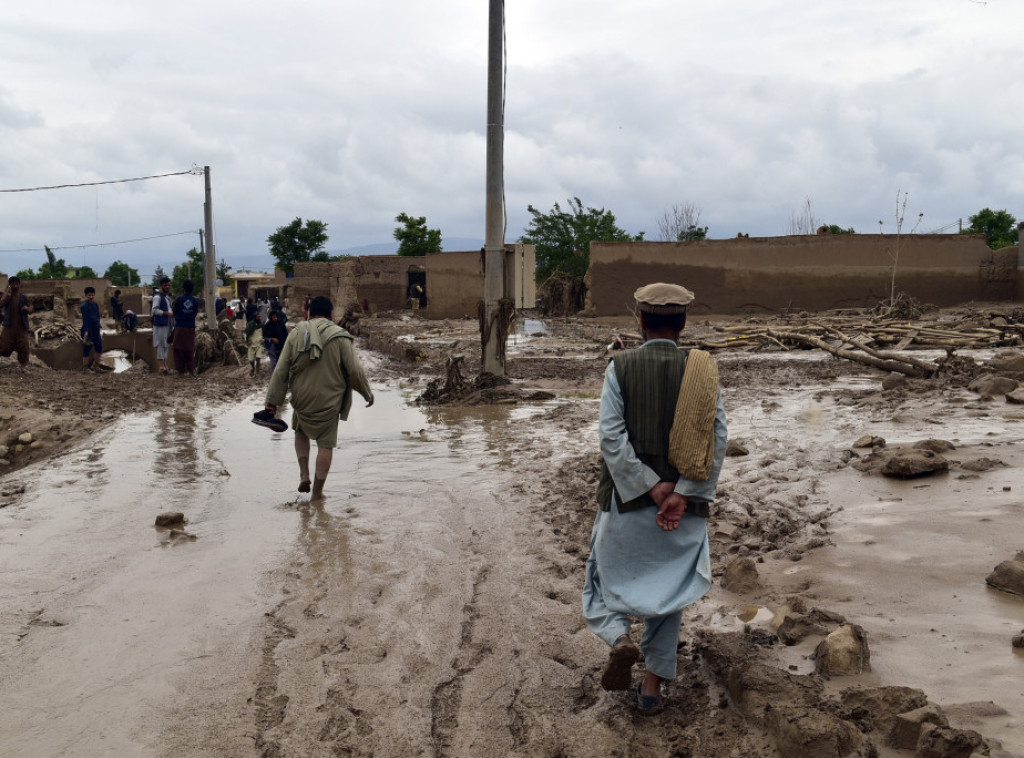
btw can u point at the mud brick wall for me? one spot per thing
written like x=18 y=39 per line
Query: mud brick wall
x=382 y=280
x=455 y=281
x=335 y=280
x=812 y=272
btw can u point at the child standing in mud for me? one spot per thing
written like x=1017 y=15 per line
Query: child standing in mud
x=649 y=552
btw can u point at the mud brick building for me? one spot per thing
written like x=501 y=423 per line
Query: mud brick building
x=451 y=282
x=805 y=272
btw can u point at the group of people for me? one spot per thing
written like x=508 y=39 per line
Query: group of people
x=174 y=327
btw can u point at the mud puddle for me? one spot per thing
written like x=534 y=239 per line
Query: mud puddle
x=908 y=558
x=115 y=633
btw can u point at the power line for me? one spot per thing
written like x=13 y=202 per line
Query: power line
x=103 y=244
x=194 y=170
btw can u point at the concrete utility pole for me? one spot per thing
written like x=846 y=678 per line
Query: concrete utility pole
x=210 y=259
x=494 y=240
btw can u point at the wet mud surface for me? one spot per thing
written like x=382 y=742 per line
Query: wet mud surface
x=431 y=604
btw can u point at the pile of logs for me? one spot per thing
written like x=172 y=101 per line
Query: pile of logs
x=61 y=331
x=875 y=341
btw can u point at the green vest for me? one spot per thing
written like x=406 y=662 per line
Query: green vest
x=649 y=378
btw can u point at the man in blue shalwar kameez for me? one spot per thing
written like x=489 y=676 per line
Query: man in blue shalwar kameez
x=649 y=553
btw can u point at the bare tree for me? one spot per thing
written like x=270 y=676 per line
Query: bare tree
x=804 y=221
x=681 y=223
x=894 y=251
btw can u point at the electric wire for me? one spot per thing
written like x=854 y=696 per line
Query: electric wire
x=195 y=170
x=102 y=244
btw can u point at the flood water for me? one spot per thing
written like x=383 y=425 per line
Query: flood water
x=103 y=613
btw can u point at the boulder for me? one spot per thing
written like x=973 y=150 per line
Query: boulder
x=1016 y=397
x=906 y=727
x=981 y=464
x=946 y=742
x=1008 y=576
x=894 y=381
x=810 y=733
x=906 y=464
x=990 y=384
x=843 y=653
x=741 y=576
x=1018 y=640
x=934 y=445
x=25 y=438
x=170 y=518
x=868 y=441
x=877 y=708
x=1007 y=363
x=734 y=449
x=796 y=628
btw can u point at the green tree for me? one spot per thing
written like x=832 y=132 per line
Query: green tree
x=192 y=269
x=836 y=229
x=121 y=274
x=25 y=274
x=158 y=274
x=563 y=237
x=414 y=238
x=299 y=242
x=999 y=227
x=86 y=272
x=54 y=268
x=224 y=272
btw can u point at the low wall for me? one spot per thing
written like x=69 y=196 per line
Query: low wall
x=68 y=356
x=813 y=272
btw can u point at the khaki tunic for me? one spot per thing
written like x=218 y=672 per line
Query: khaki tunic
x=321 y=388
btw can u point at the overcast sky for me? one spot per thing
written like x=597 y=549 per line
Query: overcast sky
x=353 y=112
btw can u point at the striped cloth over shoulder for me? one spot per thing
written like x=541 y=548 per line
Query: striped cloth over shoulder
x=692 y=438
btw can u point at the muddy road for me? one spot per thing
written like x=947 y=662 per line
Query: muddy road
x=430 y=605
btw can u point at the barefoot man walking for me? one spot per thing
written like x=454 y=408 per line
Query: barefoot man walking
x=649 y=554
x=319 y=365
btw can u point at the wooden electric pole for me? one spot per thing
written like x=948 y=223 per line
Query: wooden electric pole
x=491 y=331
x=210 y=258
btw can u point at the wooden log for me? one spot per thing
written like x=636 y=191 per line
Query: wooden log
x=896 y=365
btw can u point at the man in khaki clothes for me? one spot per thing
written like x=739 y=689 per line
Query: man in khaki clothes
x=319 y=364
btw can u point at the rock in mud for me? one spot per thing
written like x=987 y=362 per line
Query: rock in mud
x=843 y=653
x=868 y=441
x=906 y=727
x=945 y=742
x=981 y=464
x=877 y=708
x=894 y=381
x=1016 y=397
x=990 y=384
x=734 y=448
x=1007 y=363
x=1018 y=640
x=1008 y=576
x=25 y=438
x=171 y=518
x=797 y=627
x=810 y=733
x=741 y=576
x=934 y=445
x=906 y=464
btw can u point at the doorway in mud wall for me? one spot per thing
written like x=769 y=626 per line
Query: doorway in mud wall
x=416 y=289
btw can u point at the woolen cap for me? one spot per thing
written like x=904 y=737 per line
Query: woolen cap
x=667 y=299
